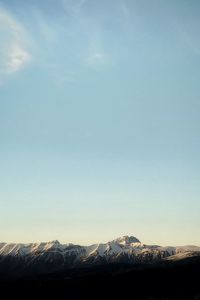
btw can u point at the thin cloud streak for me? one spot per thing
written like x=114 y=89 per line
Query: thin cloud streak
x=13 y=51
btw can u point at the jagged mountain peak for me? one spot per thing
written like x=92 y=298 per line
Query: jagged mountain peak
x=54 y=242
x=126 y=240
x=53 y=256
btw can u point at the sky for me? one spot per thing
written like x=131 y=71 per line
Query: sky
x=100 y=120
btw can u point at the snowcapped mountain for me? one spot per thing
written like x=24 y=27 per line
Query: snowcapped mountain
x=53 y=256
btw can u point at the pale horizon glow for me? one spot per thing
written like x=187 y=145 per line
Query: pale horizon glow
x=99 y=121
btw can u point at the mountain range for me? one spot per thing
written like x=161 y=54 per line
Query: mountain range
x=41 y=258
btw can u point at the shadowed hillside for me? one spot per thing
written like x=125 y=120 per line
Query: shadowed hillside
x=165 y=280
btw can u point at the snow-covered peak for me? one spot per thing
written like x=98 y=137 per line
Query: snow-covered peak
x=53 y=256
x=125 y=248
x=53 y=245
x=126 y=240
x=56 y=242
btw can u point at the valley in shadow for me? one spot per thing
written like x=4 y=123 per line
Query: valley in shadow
x=164 y=280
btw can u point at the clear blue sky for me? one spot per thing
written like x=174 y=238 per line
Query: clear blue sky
x=100 y=120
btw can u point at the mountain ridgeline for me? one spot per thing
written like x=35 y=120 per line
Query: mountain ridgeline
x=121 y=268
x=18 y=260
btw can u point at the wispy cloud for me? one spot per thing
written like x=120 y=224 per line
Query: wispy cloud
x=16 y=58
x=13 y=51
x=97 y=56
x=93 y=55
x=97 y=59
